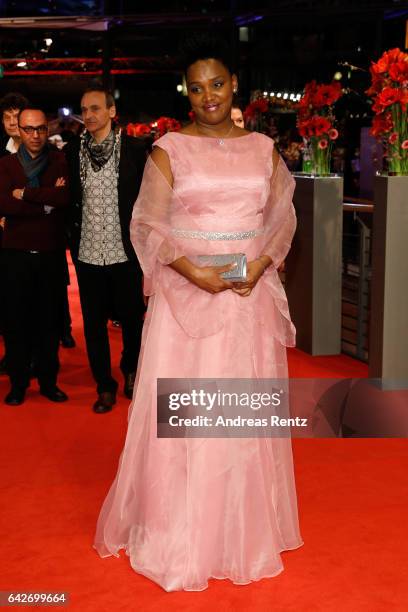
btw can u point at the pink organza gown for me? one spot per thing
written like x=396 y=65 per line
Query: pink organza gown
x=186 y=510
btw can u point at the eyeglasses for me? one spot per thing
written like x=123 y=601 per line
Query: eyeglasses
x=29 y=129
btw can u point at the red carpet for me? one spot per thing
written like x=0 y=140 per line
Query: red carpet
x=59 y=460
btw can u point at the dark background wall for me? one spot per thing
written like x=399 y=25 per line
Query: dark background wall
x=288 y=43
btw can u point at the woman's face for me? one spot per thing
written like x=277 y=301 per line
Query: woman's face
x=210 y=89
x=237 y=117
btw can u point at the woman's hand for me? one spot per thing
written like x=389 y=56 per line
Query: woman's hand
x=255 y=269
x=209 y=278
x=18 y=193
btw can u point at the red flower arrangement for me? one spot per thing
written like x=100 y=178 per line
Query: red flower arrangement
x=138 y=129
x=257 y=115
x=165 y=124
x=256 y=107
x=316 y=122
x=156 y=128
x=389 y=91
x=315 y=126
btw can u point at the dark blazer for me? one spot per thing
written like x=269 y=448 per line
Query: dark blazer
x=3 y=144
x=3 y=151
x=131 y=166
x=28 y=227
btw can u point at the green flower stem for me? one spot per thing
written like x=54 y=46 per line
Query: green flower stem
x=321 y=157
x=397 y=156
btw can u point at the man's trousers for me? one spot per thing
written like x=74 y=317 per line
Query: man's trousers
x=31 y=294
x=101 y=288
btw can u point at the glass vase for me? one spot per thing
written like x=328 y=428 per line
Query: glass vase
x=320 y=160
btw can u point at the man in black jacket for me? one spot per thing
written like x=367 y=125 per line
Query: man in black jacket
x=10 y=107
x=106 y=169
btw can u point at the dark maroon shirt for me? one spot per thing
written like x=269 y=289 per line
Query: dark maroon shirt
x=27 y=225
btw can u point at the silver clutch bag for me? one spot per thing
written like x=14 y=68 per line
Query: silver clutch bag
x=237 y=274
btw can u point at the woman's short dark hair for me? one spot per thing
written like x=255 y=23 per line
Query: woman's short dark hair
x=13 y=101
x=204 y=46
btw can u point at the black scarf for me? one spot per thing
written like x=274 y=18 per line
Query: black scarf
x=98 y=153
x=33 y=167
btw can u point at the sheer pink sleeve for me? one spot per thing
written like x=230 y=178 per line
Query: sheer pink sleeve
x=279 y=221
x=150 y=228
x=157 y=214
x=279 y=215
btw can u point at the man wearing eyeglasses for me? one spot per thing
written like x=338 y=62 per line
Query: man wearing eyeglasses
x=33 y=194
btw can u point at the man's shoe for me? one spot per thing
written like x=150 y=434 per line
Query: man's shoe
x=54 y=394
x=67 y=341
x=15 y=396
x=3 y=366
x=105 y=402
x=129 y=384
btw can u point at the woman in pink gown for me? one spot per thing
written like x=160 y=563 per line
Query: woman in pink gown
x=186 y=510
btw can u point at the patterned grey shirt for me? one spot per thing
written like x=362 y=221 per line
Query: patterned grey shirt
x=101 y=238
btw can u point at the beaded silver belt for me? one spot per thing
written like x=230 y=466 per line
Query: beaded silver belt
x=216 y=235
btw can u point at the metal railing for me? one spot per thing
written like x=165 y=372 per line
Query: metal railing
x=356 y=277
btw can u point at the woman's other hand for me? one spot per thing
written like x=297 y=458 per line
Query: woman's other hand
x=255 y=269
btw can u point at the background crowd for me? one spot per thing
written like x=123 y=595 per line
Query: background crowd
x=83 y=197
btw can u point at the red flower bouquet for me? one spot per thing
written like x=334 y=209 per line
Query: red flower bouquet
x=255 y=113
x=162 y=125
x=255 y=107
x=155 y=128
x=138 y=129
x=389 y=91
x=316 y=123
